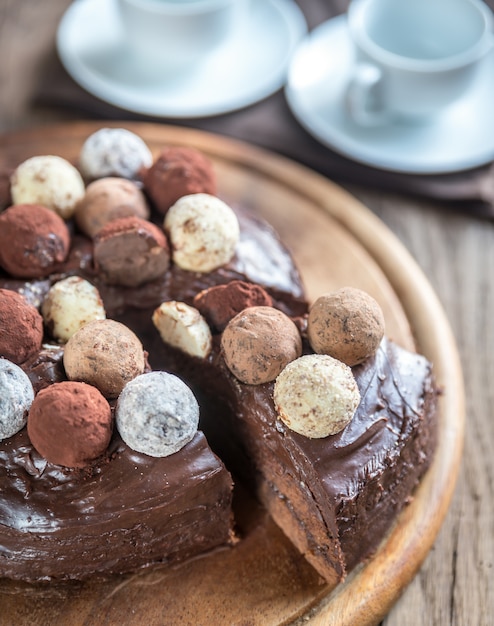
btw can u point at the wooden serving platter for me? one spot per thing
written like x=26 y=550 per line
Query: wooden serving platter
x=263 y=581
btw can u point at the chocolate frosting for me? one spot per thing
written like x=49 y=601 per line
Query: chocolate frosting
x=335 y=498
x=126 y=510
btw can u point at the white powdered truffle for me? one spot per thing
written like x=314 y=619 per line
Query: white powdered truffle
x=50 y=181
x=69 y=305
x=157 y=414
x=183 y=327
x=114 y=152
x=16 y=397
x=203 y=232
x=316 y=395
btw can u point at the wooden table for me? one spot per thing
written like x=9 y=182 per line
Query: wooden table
x=454 y=586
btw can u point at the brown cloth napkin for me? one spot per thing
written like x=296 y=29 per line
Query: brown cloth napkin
x=270 y=124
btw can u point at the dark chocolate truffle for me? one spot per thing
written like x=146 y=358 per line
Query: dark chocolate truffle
x=21 y=327
x=177 y=172
x=70 y=423
x=33 y=240
x=220 y=304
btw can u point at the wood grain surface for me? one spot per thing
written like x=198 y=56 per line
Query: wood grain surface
x=454 y=250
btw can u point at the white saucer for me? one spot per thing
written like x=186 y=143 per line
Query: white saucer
x=247 y=69
x=461 y=138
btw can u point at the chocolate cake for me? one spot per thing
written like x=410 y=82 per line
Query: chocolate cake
x=334 y=496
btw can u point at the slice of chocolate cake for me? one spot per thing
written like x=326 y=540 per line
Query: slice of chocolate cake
x=334 y=497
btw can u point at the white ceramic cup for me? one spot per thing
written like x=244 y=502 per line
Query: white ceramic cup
x=414 y=57
x=174 y=35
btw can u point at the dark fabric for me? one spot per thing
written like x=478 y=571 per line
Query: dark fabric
x=270 y=124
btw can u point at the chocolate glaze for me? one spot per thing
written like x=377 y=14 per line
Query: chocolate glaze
x=127 y=510
x=335 y=498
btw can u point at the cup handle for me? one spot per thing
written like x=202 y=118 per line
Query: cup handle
x=364 y=96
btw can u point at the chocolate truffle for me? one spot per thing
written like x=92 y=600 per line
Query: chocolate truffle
x=203 y=232
x=70 y=423
x=114 y=152
x=108 y=199
x=106 y=354
x=16 y=396
x=157 y=414
x=177 y=172
x=316 y=395
x=219 y=304
x=258 y=343
x=48 y=180
x=21 y=327
x=69 y=304
x=130 y=252
x=33 y=241
x=347 y=324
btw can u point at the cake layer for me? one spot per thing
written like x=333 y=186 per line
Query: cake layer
x=124 y=513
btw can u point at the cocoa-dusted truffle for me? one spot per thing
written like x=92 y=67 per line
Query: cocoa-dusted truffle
x=70 y=423
x=347 y=324
x=108 y=199
x=258 y=343
x=33 y=241
x=219 y=304
x=21 y=327
x=131 y=251
x=177 y=172
x=106 y=354
x=114 y=152
x=48 y=180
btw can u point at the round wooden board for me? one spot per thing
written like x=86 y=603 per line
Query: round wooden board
x=263 y=581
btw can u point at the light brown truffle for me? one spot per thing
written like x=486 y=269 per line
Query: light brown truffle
x=347 y=324
x=258 y=343
x=220 y=304
x=177 y=172
x=108 y=199
x=106 y=354
x=130 y=252
x=21 y=327
x=70 y=424
x=33 y=241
